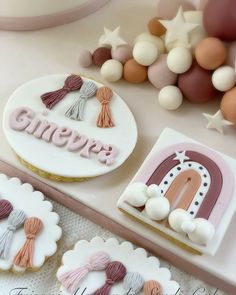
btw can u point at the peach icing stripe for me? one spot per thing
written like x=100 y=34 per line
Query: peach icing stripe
x=193 y=181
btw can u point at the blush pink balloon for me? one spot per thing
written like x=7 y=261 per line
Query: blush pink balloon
x=159 y=74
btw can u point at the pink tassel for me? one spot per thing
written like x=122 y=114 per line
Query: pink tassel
x=104 y=95
x=71 y=279
x=152 y=287
x=115 y=272
x=5 y=208
x=24 y=258
x=72 y=83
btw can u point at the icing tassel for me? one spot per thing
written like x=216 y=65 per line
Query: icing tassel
x=133 y=283
x=152 y=287
x=24 y=258
x=71 y=279
x=15 y=221
x=76 y=110
x=104 y=95
x=72 y=83
x=115 y=272
x=5 y=208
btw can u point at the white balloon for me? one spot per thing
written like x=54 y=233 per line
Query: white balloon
x=157 y=208
x=112 y=70
x=145 y=53
x=176 y=219
x=224 y=78
x=153 y=39
x=136 y=195
x=170 y=97
x=179 y=60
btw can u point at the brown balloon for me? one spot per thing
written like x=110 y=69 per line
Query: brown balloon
x=196 y=84
x=219 y=19
x=134 y=72
x=228 y=106
x=155 y=27
x=101 y=55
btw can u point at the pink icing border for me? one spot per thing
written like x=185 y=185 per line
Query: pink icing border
x=56 y=19
x=228 y=180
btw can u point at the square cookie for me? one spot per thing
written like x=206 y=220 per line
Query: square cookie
x=183 y=191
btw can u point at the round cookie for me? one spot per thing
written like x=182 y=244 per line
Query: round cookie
x=80 y=150
x=23 y=197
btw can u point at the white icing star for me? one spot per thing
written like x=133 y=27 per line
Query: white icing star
x=181 y=157
x=216 y=121
x=178 y=28
x=112 y=38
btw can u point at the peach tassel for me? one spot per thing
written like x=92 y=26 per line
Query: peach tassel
x=24 y=257
x=104 y=95
x=151 y=288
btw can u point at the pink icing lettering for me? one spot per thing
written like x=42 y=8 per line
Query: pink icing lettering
x=33 y=126
x=92 y=145
x=24 y=119
x=59 y=136
x=107 y=154
x=20 y=118
x=76 y=141
x=45 y=130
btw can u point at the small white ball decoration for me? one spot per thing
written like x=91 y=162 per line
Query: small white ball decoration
x=154 y=191
x=157 y=208
x=145 y=53
x=179 y=60
x=176 y=219
x=188 y=226
x=170 y=97
x=203 y=233
x=136 y=195
x=112 y=70
x=224 y=78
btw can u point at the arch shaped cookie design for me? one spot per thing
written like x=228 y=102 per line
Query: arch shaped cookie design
x=194 y=179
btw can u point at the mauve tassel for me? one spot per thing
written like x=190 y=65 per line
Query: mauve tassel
x=104 y=95
x=15 y=221
x=76 y=110
x=5 y=208
x=152 y=287
x=133 y=283
x=72 y=83
x=115 y=272
x=97 y=261
x=24 y=258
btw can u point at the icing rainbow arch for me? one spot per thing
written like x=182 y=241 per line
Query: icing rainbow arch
x=216 y=179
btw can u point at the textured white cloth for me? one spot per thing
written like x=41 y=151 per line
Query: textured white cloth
x=74 y=228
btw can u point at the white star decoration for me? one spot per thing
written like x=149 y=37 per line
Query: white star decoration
x=216 y=121
x=178 y=28
x=112 y=38
x=181 y=157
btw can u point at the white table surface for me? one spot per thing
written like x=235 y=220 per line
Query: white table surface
x=28 y=55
